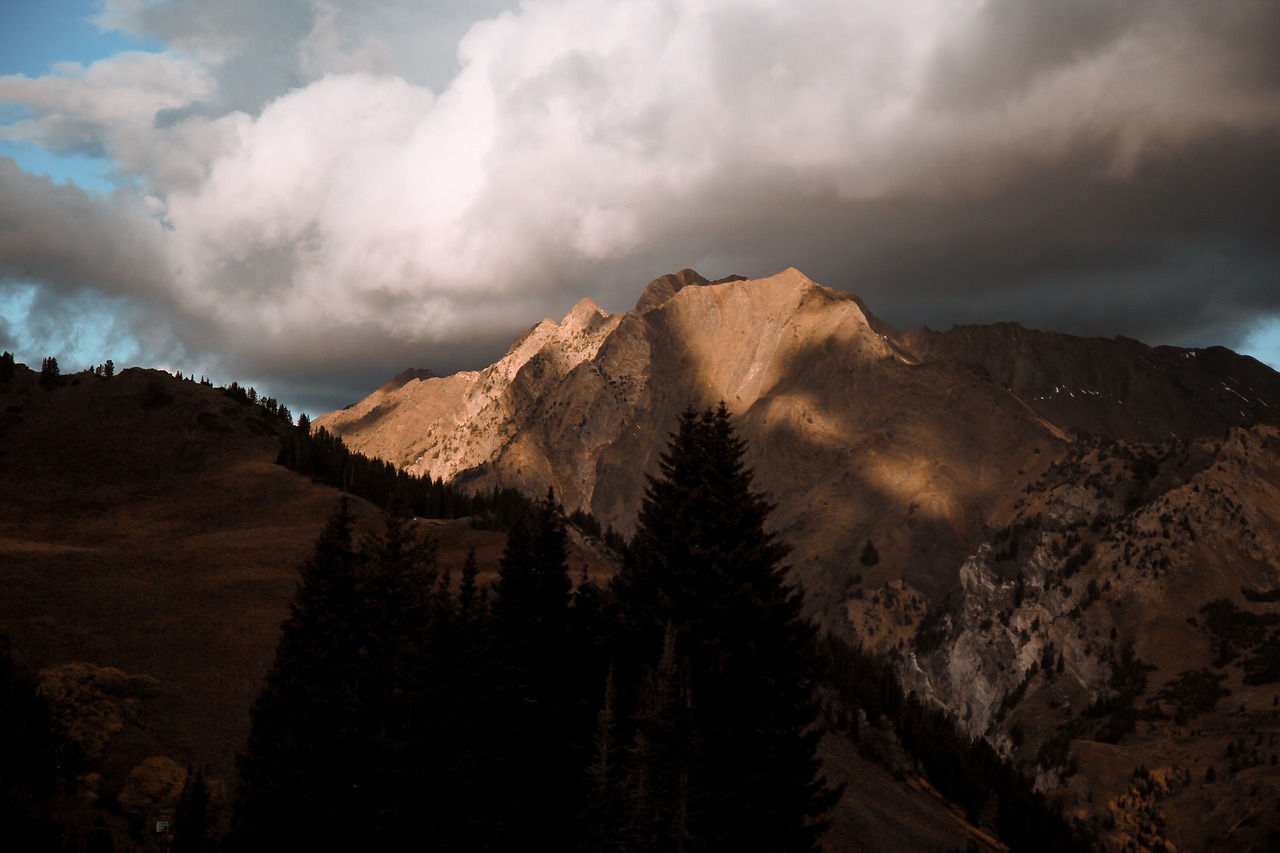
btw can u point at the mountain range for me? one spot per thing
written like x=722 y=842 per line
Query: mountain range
x=1070 y=544
x=912 y=441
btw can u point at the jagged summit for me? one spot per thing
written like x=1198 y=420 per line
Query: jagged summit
x=404 y=377
x=585 y=315
x=664 y=287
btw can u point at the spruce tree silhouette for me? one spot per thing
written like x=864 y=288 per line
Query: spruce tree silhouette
x=703 y=592
x=534 y=685
x=304 y=759
x=340 y=752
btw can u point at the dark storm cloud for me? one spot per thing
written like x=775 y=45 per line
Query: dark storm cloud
x=344 y=189
x=69 y=240
x=1010 y=45
x=1179 y=251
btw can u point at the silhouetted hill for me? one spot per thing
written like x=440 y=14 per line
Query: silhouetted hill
x=150 y=544
x=144 y=525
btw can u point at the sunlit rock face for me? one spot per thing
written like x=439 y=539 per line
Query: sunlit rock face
x=916 y=442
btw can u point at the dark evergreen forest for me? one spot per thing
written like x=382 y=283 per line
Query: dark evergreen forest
x=674 y=710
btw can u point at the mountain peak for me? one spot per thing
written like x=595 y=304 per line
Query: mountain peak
x=404 y=377
x=664 y=287
x=585 y=315
x=792 y=276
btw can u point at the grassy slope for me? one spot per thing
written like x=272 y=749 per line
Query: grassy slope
x=159 y=539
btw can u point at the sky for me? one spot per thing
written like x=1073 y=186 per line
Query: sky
x=309 y=196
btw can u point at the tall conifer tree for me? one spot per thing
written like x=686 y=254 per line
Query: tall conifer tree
x=304 y=759
x=337 y=749
x=702 y=563
x=535 y=683
x=395 y=594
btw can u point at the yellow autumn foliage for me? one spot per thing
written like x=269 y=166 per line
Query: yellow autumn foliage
x=88 y=704
x=153 y=782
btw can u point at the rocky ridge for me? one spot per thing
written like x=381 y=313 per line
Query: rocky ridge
x=914 y=441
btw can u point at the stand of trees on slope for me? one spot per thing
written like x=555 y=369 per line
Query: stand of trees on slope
x=674 y=711
x=323 y=456
x=968 y=772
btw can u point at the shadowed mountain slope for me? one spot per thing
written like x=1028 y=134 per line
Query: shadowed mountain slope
x=145 y=525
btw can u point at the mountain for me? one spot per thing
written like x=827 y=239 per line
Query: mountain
x=1070 y=544
x=911 y=441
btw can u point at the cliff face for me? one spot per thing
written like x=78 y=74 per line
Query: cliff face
x=1119 y=628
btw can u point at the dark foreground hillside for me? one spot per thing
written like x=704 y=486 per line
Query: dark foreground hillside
x=149 y=545
x=144 y=526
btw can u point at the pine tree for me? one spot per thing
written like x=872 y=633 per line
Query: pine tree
x=468 y=600
x=663 y=806
x=537 y=764
x=340 y=750
x=50 y=375
x=604 y=818
x=192 y=816
x=395 y=595
x=304 y=758
x=456 y=715
x=702 y=566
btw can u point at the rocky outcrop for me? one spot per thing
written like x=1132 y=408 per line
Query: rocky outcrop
x=1098 y=634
